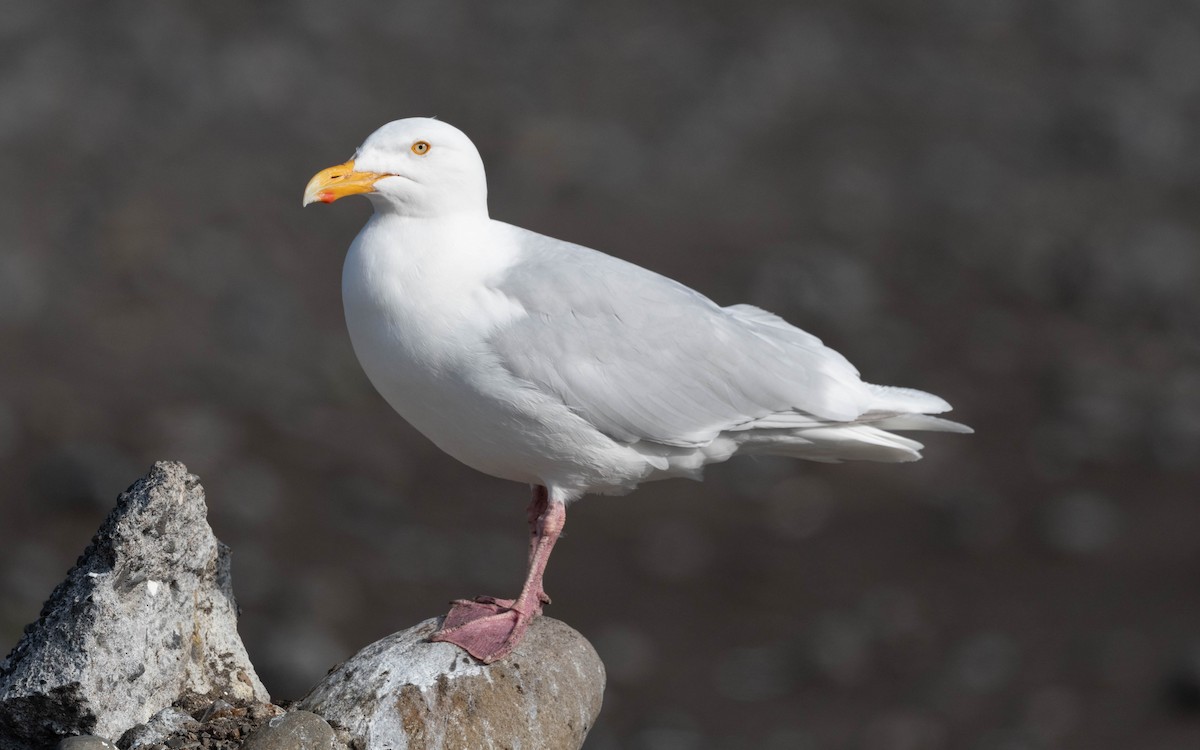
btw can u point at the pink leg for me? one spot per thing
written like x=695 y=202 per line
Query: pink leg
x=535 y=511
x=489 y=628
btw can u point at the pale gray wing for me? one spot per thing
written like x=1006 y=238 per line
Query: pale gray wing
x=643 y=357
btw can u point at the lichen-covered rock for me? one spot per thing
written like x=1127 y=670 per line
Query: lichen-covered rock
x=146 y=617
x=405 y=693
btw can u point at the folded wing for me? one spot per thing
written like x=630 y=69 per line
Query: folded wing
x=643 y=357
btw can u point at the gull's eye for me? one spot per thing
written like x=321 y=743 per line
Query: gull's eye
x=420 y=148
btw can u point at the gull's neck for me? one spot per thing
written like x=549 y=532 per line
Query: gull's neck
x=468 y=206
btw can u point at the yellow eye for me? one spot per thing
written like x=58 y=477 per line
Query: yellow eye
x=420 y=148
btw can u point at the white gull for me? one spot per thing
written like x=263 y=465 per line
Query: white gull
x=552 y=364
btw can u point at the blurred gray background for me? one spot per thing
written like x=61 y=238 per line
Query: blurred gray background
x=995 y=201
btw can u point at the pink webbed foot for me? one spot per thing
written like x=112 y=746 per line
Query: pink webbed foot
x=464 y=611
x=489 y=628
x=486 y=628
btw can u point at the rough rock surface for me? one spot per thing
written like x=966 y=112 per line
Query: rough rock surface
x=405 y=693
x=145 y=618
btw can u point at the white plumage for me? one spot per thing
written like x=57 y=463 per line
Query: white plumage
x=548 y=363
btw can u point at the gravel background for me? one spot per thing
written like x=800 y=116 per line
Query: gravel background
x=995 y=201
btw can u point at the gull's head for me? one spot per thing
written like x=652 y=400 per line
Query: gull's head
x=415 y=167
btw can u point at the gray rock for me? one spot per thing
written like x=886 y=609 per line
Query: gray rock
x=146 y=617
x=405 y=693
x=298 y=730
x=85 y=742
x=169 y=721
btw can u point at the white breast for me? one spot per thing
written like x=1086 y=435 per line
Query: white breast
x=420 y=311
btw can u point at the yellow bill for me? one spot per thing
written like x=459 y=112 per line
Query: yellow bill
x=330 y=184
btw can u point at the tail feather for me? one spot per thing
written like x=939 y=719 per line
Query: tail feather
x=920 y=422
x=866 y=438
x=835 y=443
x=890 y=398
